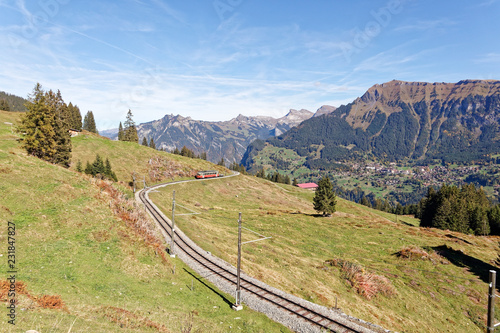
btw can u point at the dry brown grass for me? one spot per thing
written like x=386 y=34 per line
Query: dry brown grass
x=127 y=319
x=134 y=216
x=43 y=301
x=367 y=284
x=416 y=253
x=161 y=168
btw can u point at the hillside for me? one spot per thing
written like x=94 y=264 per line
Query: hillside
x=15 y=103
x=83 y=261
x=413 y=122
x=434 y=280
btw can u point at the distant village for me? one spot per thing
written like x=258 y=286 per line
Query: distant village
x=393 y=175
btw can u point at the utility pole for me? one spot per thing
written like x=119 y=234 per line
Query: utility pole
x=490 y=326
x=237 y=306
x=172 y=254
x=144 y=182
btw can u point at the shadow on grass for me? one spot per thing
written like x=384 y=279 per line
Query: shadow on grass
x=200 y=279
x=458 y=258
x=312 y=215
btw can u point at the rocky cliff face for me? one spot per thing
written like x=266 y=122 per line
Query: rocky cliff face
x=411 y=121
x=226 y=139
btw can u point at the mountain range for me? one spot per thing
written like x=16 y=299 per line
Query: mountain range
x=416 y=122
x=223 y=139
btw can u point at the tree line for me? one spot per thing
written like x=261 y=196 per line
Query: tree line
x=275 y=177
x=13 y=103
x=186 y=152
x=465 y=209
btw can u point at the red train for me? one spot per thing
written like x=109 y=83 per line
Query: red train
x=208 y=174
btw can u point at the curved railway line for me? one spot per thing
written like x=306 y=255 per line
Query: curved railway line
x=208 y=262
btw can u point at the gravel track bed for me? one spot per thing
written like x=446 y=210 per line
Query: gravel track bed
x=275 y=313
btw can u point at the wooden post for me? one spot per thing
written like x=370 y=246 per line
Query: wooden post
x=237 y=306
x=490 y=327
x=172 y=253
x=133 y=177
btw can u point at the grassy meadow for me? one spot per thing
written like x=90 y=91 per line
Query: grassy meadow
x=81 y=268
x=441 y=287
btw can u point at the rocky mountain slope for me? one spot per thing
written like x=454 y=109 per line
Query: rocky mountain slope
x=225 y=139
x=400 y=121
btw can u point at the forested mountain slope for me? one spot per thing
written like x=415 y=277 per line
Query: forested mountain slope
x=401 y=121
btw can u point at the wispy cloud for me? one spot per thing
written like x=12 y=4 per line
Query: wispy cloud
x=489 y=58
x=426 y=25
x=487 y=3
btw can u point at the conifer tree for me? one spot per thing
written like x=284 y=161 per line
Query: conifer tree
x=324 y=199
x=89 y=123
x=75 y=117
x=152 y=144
x=4 y=105
x=145 y=141
x=98 y=167
x=130 y=131
x=108 y=172
x=120 y=132
x=88 y=168
x=44 y=131
x=79 y=166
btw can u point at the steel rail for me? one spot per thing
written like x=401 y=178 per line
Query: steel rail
x=280 y=301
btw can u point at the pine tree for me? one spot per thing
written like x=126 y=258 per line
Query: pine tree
x=61 y=129
x=79 y=166
x=75 y=117
x=152 y=144
x=324 y=199
x=89 y=123
x=4 y=105
x=88 y=169
x=98 y=168
x=130 y=131
x=44 y=133
x=108 y=172
x=144 y=141
x=120 y=132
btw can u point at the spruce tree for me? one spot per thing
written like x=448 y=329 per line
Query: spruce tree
x=152 y=144
x=75 y=117
x=145 y=141
x=108 y=172
x=79 y=166
x=89 y=123
x=88 y=169
x=44 y=131
x=4 y=105
x=130 y=131
x=324 y=199
x=120 y=132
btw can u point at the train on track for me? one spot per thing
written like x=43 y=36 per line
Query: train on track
x=208 y=174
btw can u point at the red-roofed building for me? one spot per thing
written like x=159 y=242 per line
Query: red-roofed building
x=308 y=186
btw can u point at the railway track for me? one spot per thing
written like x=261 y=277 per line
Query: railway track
x=202 y=258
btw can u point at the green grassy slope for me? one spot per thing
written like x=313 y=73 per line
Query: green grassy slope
x=443 y=292
x=70 y=244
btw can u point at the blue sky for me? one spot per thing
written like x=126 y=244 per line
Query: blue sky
x=215 y=59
